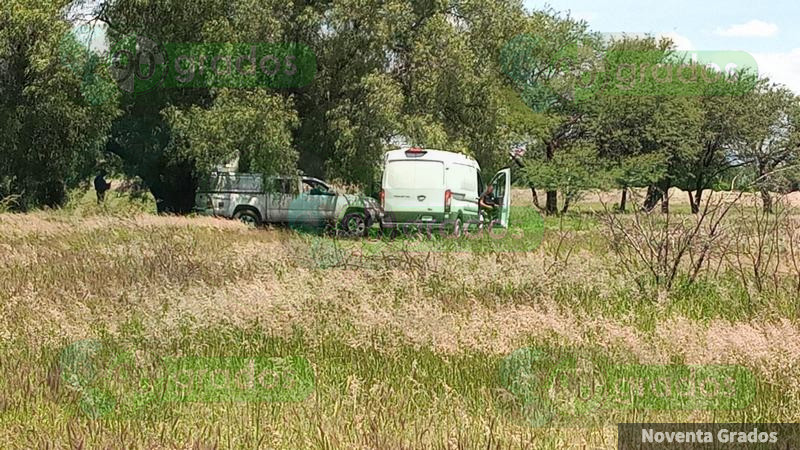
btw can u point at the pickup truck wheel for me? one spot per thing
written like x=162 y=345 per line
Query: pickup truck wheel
x=248 y=217
x=355 y=224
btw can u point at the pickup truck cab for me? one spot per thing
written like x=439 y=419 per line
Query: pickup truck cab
x=298 y=201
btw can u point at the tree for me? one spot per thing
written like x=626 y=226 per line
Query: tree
x=169 y=136
x=645 y=114
x=542 y=65
x=771 y=138
x=625 y=127
x=53 y=129
x=724 y=105
x=420 y=72
x=423 y=71
x=571 y=171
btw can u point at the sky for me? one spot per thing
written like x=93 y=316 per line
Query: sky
x=768 y=30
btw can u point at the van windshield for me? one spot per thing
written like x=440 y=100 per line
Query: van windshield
x=415 y=174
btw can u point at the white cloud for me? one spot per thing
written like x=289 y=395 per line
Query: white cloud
x=781 y=67
x=753 y=28
x=681 y=42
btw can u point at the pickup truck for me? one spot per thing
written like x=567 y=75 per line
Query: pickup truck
x=298 y=201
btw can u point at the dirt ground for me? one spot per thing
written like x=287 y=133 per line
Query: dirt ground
x=522 y=197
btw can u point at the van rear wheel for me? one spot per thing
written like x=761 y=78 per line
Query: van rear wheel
x=456 y=229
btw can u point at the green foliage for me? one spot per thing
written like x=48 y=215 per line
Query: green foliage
x=385 y=70
x=252 y=126
x=420 y=72
x=771 y=136
x=51 y=117
x=640 y=135
x=361 y=126
x=640 y=170
x=571 y=171
x=477 y=77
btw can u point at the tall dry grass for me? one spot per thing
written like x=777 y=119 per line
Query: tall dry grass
x=406 y=347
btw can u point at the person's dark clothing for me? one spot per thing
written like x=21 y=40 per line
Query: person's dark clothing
x=488 y=198
x=101 y=186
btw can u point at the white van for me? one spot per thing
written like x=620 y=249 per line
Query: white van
x=434 y=189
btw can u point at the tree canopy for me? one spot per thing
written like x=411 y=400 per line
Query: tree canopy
x=477 y=77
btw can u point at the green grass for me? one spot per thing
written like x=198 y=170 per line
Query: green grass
x=82 y=202
x=407 y=343
x=398 y=393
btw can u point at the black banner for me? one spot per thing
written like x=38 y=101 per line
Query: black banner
x=662 y=436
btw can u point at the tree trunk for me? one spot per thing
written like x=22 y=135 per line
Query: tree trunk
x=623 y=202
x=653 y=196
x=695 y=200
x=766 y=199
x=535 y=198
x=698 y=198
x=551 y=206
x=664 y=196
x=566 y=205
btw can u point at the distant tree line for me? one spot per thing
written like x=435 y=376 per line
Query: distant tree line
x=473 y=76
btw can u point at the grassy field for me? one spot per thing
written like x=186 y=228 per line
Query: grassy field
x=408 y=347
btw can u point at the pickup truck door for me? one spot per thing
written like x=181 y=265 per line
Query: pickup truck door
x=316 y=203
x=282 y=191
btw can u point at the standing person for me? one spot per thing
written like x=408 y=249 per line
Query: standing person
x=488 y=204
x=101 y=186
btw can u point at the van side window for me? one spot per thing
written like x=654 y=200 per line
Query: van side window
x=500 y=186
x=480 y=184
x=463 y=178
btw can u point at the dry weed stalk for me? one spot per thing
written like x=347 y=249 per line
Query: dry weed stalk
x=757 y=249
x=792 y=229
x=558 y=259
x=661 y=244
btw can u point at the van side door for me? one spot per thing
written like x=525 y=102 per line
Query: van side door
x=502 y=192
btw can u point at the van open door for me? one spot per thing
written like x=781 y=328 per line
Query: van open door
x=502 y=192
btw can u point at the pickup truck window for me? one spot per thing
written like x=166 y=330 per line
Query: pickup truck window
x=228 y=182
x=285 y=186
x=312 y=187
